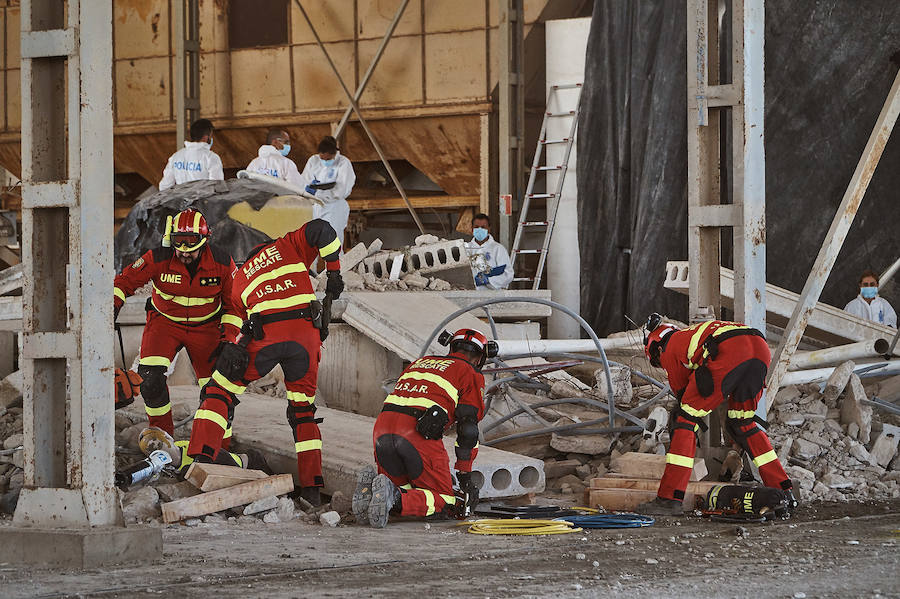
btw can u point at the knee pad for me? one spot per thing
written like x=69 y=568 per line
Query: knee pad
x=398 y=457
x=733 y=428
x=302 y=414
x=153 y=387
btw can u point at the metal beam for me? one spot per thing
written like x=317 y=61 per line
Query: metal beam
x=511 y=113
x=375 y=59
x=362 y=121
x=186 y=38
x=834 y=239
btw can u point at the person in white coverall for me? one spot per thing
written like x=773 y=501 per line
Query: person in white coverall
x=273 y=161
x=496 y=273
x=869 y=305
x=329 y=176
x=195 y=161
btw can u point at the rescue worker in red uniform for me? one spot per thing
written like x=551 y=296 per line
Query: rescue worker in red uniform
x=706 y=364
x=273 y=294
x=190 y=306
x=413 y=467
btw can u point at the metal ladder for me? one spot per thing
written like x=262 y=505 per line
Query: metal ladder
x=536 y=168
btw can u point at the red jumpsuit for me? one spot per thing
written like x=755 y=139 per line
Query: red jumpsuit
x=420 y=467
x=184 y=310
x=707 y=364
x=274 y=284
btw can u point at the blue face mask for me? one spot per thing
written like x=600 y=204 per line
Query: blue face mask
x=480 y=233
x=285 y=149
x=329 y=162
x=868 y=292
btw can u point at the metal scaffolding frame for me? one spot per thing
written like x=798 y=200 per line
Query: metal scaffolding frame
x=511 y=115
x=708 y=96
x=186 y=38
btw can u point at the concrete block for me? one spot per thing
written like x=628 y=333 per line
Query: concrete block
x=885 y=447
x=447 y=257
x=347 y=447
x=11 y=389
x=838 y=380
x=261 y=505
x=853 y=411
x=80 y=548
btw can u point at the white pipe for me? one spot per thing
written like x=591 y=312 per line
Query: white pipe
x=820 y=375
x=890 y=272
x=512 y=347
x=871 y=348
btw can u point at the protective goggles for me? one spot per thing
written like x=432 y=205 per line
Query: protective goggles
x=187 y=242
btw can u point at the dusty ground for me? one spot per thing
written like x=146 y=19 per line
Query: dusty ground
x=825 y=551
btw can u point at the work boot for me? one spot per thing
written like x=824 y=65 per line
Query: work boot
x=661 y=507
x=385 y=495
x=363 y=494
x=312 y=495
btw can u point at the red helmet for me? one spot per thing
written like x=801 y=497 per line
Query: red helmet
x=186 y=231
x=470 y=340
x=657 y=331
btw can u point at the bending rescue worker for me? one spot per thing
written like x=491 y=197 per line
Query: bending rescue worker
x=191 y=299
x=414 y=469
x=706 y=364
x=274 y=295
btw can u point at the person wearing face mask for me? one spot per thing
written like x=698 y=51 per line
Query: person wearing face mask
x=869 y=305
x=490 y=260
x=273 y=161
x=195 y=161
x=329 y=176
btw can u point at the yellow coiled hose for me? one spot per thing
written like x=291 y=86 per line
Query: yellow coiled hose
x=501 y=526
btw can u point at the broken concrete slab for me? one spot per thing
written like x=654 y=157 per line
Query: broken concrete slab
x=853 y=411
x=347 y=447
x=11 y=279
x=837 y=382
x=261 y=505
x=140 y=505
x=401 y=321
x=11 y=390
x=621 y=384
x=449 y=258
x=885 y=447
x=588 y=444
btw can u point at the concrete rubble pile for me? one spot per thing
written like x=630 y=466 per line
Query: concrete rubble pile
x=369 y=268
x=834 y=444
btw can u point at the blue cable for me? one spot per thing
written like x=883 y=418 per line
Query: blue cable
x=610 y=521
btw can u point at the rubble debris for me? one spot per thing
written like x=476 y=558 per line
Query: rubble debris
x=261 y=505
x=838 y=380
x=621 y=384
x=11 y=390
x=216 y=501
x=853 y=410
x=885 y=447
x=340 y=503
x=141 y=504
x=331 y=518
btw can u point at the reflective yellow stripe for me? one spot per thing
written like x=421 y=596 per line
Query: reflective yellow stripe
x=155 y=361
x=679 y=460
x=297 y=300
x=237 y=459
x=274 y=274
x=297 y=397
x=415 y=402
x=724 y=329
x=158 y=411
x=119 y=293
x=429 y=501
x=196 y=228
x=212 y=417
x=232 y=320
x=189 y=318
x=449 y=499
x=440 y=381
x=407 y=486
x=695 y=343
x=182 y=300
x=310 y=445
x=476 y=445
x=227 y=434
x=202 y=381
x=226 y=384
x=693 y=412
x=741 y=414
x=330 y=248
x=769 y=456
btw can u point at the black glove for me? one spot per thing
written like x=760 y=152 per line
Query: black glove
x=335 y=284
x=323 y=333
x=469 y=488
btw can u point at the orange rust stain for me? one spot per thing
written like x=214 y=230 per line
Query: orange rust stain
x=141 y=7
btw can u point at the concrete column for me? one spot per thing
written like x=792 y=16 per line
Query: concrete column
x=566 y=48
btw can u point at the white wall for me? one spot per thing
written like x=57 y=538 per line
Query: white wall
x=566 y=48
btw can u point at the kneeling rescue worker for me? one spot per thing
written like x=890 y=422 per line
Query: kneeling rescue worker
x=284 y=324
x=190 y=307
x=706 y=364
x=413 y=467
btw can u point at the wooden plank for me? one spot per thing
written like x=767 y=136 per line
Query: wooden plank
x=646 y=484
x=397 y=203
x=651 y=465
x=216 y=501
x=627 y=499
x=212 y=477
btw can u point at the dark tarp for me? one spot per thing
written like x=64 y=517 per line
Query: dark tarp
x=827 y=75
x=142 y=229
